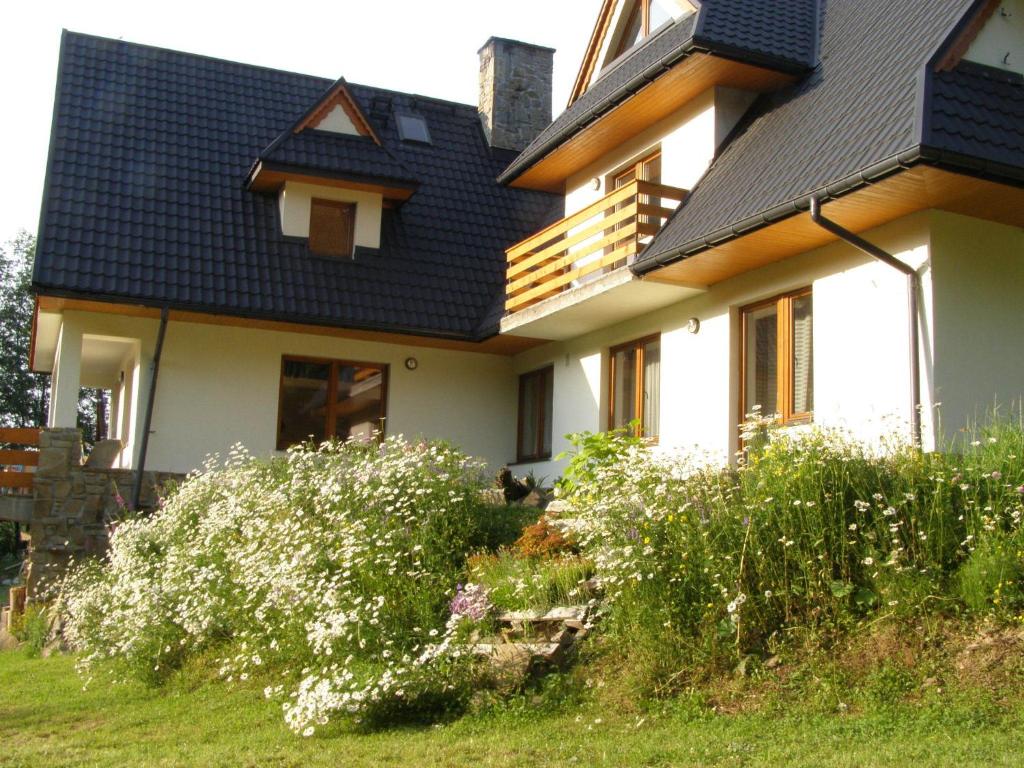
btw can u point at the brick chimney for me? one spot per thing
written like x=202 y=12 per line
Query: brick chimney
x=515 y=91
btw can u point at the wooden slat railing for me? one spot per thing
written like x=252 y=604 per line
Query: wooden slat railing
x=600 y=236
x=19 y=479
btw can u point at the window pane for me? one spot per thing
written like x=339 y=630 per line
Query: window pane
x=761 y=349
x=528 y=416
x=803 y=356
x=659 y=13
x=303 y=402
x=652 y=388
x=359 y=405
x=624 y=388
x=549 y=409
x=331 y=226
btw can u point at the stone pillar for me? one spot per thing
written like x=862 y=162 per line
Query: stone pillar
x=515 y=91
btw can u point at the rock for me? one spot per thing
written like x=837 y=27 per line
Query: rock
x=103 y=454
x=535 y=499
x=773 y=662
x=558 y=506
x=567 y=613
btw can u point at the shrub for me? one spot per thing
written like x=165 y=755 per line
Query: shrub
x=31 y=628
x=543 y=539
x=516 y=583
x=702 y=566
x=333 y=569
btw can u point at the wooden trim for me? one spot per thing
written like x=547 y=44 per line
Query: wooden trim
x=20 y=435
x=783 y=356
x=330 y=405
x=496 y=345
x=545 y=376
x=638 y=379
x=962 y=42
x=604 y=19
x=339 y=96
x=9 y=457
x=270 y=180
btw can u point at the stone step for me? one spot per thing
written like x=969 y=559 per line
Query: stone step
x=561 y=614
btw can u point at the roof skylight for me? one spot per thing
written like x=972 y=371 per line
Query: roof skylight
x=412 y=128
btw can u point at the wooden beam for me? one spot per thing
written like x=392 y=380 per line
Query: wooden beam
x=16 y=458
x=16 y=479
x=959 y=46
x=267 y=180
x=20 y=435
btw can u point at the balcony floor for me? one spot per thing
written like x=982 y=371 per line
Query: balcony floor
x=610 y=299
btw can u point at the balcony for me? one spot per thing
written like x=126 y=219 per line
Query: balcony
x=578 y=249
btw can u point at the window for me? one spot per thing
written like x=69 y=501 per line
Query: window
x=536 y=396
x=412 y=128
x=645 y=17
x=635 y=386
x=777 y=364
x=323 y=399
x=331 y=227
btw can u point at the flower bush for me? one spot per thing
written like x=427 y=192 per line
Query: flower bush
x=701 y=566
x=328 y=572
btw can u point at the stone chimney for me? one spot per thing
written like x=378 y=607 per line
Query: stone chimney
x=515 y=91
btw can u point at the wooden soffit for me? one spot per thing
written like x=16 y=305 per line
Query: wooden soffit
x=269 y=179
x=496 y=345
x=917 y=189
x=671 y=91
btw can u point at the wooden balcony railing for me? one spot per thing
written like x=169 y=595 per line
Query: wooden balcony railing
x=602 y=236
x=15 y=462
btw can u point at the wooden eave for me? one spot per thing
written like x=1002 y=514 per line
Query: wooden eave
x=496 y=345
x=338 y=96
x=267 y=178
x=671 y=91
x=601 y=29
x=919 y=188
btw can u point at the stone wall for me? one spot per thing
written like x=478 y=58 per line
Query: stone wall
x=515 y=92
x=75 y=506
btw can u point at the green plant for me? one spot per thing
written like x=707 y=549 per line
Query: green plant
x=517 y=583
x=992 y=579
x=592 y=451
x=31 y=628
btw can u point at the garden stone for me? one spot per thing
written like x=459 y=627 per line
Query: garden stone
x=103 y=454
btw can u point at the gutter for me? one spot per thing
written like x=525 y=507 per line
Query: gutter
x=913 y=289
x=148 y=421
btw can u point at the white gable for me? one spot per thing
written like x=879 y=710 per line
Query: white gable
x=337 y=121
x=1001 y=41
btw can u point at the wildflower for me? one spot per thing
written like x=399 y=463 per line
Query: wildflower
x=853 y=526
x=868 y=561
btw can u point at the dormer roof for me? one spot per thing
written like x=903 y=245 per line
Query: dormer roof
x=756 y=44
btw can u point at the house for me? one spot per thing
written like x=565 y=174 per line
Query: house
x=813 y=207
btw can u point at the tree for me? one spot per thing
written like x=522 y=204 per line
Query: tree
x=24 y=396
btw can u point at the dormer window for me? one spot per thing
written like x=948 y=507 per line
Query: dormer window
x=331 y=227
x=645 y=17
x=412 y=128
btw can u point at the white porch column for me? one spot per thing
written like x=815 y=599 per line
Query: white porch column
x=67 y=370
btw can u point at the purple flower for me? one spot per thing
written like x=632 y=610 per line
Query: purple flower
x=1020 y=490
x=120 y=501
x=633 y=534
x=746 y=521
x=997 y=475
x=470 y=602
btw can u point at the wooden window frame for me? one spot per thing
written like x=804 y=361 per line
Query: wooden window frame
x=638 y=373
x=332 y=387
x=784 y=356
x=642 y=7
x=545 y=374
x=348 y=249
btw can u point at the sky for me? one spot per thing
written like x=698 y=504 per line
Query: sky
x=429 y=48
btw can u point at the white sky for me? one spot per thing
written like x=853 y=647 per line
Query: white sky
x=418 y=46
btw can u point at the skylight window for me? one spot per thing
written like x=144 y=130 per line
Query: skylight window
x=412 y=128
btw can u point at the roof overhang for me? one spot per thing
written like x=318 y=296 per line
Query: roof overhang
x=50 y=308
x=270 y=177
x=654 y=96
x=788 y=232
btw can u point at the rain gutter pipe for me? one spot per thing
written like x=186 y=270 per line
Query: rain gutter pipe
x=148 y=420
x=913 y=290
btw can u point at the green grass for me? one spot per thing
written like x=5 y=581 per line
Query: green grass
x=46 y=719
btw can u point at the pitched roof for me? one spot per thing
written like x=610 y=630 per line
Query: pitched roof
x=145 y=199
x=859 y=110
x=776 y=34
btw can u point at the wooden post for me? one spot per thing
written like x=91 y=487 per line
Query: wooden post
x=17 y=598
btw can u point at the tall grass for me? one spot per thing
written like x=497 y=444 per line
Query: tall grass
x=702 y=566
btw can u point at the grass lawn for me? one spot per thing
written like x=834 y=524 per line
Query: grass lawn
x=47 y=720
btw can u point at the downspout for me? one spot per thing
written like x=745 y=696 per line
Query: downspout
x=913 y=290
x=148 y=420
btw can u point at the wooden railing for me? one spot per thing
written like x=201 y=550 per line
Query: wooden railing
x=604 y=235
x=15 y=462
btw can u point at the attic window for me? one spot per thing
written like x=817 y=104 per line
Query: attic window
x=331 y=227
x=412 y=128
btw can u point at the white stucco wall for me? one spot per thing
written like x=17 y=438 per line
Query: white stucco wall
x=861 y=350
x=294 y=201
x=1001 y=41
x=219 y=385
x=979 y=318
x=338 y=121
